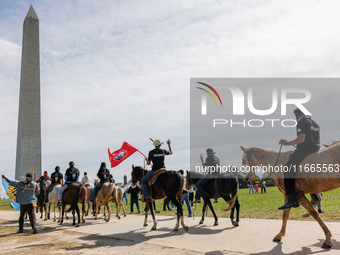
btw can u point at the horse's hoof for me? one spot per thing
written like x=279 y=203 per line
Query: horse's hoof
x=235 y=223
x=54 y=220
x=201 y=222
x=83 y=221
x=326 y=246
x=175 y=229
x=45 y=219
x=276 y=239
x=118 y=217
x=145 y=225
x=107 y=220
x=78 y=225
x=124 y=215
x=153 y=228
x=186 y=228
x=216 y=223
x=60 y=224
x=73 y=224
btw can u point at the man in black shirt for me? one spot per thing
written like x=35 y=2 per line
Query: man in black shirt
x=307 y=141
x=156 y=156
x=56 y=177
x=71 y=175
x=104 y=176
x=134 y=197
x=210 y=166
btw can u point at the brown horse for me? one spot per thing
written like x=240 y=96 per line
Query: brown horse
x=308 y=180
x=106 y=194
x=75 y=193
x=169 y=184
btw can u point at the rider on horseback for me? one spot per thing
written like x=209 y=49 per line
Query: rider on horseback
x=210 y=162
x=44 y=177
x=104 y=176
x=71 y=176
x=307 y=142
x=156 y=156
x=56 y=177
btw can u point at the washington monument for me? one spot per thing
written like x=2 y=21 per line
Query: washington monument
x=28 y=158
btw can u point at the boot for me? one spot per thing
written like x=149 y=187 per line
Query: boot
x=292 y=202
x=319 y=211
x=35 y=230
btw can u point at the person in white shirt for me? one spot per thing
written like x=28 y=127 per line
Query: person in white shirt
x=85 y=180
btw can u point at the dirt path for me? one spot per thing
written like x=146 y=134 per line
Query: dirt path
x=127 y=236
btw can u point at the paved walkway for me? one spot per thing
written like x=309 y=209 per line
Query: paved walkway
x=253 y=236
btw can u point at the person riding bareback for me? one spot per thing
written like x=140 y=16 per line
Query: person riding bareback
x=156 y=156
x=71 y=176
x=307 y=142
x=104 y=176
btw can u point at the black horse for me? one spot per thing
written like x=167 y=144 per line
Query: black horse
x=224 y=185
x=169 y=184
x=41 y=200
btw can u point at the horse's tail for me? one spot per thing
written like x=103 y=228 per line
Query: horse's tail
x=234 y=194
x=177 y=185
x=76 y=198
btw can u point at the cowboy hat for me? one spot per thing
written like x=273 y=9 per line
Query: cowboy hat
x=157 y=143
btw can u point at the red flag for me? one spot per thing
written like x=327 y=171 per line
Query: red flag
x=120 y=155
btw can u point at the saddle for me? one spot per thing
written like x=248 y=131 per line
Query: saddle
x=87 y=185
x=154 y=178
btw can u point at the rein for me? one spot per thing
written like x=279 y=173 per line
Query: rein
x=277 y=159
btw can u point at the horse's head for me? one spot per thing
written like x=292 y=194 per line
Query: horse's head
x=192 y=178
x=249 y=161
x=136 y=174
x=96 y=181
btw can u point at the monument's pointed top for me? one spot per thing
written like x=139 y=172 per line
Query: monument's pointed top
x=31 y=14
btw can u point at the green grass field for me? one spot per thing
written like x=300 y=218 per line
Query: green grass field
x=262 y=206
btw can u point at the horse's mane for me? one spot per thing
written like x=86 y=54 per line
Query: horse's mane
x=328 y=145
x=194 y=174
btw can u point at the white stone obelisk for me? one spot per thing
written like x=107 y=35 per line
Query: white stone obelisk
x=28 y=158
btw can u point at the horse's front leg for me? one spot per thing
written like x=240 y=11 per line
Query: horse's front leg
x=108 y=212
x=78 y=214
x=118 y=204
x=285 y=216
x=203 y=211
x=309 y=207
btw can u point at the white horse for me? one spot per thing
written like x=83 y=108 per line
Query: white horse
x=53 y=199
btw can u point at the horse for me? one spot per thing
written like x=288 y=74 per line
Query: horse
x=53 y=199
x=225 y=186
x=88 y=198
x=73 y=194
x=106 y=194
x=41 y=199
x=169 y=184
x=120 y=193
x=306 y=182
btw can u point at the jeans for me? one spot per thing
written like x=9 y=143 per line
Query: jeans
x=200 y=183
x=185 y=197
x=134 y=201
x=95 y=190
x=126 y=199
x=293 y=163
x=251 y=188
x=145 y=188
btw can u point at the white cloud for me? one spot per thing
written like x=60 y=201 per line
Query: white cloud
x=119 y=70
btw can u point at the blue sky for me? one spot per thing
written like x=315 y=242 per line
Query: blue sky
x=115 y=71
